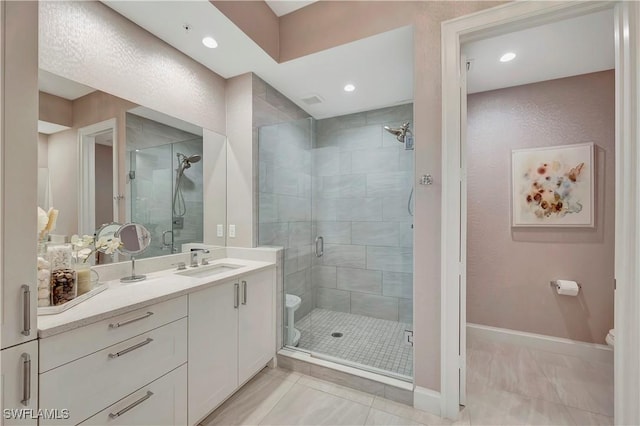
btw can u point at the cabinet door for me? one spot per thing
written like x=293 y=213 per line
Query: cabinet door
x=162 y=402
x=256 y=334
x=213 y=348
x=18 y=166
x=19 y=392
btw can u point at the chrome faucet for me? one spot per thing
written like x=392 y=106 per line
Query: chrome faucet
x=194 y=256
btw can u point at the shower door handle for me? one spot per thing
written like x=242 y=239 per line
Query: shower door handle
x=164 y=240
x=319 y=246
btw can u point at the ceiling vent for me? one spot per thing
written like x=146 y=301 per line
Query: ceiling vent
x=312 y=100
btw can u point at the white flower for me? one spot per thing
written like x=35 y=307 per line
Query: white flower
x=112 y=245
x=43 y=219
x=79 y=243
x=84 y=253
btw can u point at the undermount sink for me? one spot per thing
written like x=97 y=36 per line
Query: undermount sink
x=205 y=271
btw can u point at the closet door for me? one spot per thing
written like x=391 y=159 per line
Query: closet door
x=18 y=170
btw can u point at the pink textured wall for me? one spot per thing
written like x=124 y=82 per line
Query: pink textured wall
x=509 y=269
x=256 y=20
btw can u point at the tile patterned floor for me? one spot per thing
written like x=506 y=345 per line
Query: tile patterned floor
x=507 y=385
x=369 y=341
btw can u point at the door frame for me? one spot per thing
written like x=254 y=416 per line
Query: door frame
x=504 y=19
x=86 y=174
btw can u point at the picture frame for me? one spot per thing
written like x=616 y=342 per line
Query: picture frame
x=553 y=186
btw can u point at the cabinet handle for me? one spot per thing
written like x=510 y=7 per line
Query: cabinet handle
x=132 y=348
x=26 y=310
x=236 y=295
x=120 y=324
x=244 y=292
x=26 y=379
x=133 y=405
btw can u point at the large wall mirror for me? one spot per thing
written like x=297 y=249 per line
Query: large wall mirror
x=103 y=159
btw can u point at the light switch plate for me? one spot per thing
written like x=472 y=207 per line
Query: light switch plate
x=232 y=231
x=220 y=230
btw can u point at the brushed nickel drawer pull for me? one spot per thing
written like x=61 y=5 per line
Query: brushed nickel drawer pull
x=133 y=405
x=26 y=310
x=236 y=295
x=26 y=379
x=120 y=324
x=244 y=292
x=132 y=348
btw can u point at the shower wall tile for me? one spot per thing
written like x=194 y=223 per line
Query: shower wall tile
x=405 y=310
x=398 y=113
x=274 y=234
x=291 y=261
x=397 y=284
x=358 y=209
x=349 y=139
x=282 y=180
x=375 y=233
x=406 y=159
x=323 y=276
x=293 y=209
x=299 y=234
x=268 y=204
x=298 y=283
x=334 y=232
x=395 y=259
x=386 y=184
x=304 y=257
x=325 y=209
x=360 y=280
x=396 y=208
x=324 y=128
x=326 y=161
x=405 y=232
x=334 y=300
x=375 y=161
x=344 y=255
x=374 y=306
x=343 y=186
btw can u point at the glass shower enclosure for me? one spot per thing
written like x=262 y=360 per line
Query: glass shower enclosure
x=165 y=184
x=337 y=195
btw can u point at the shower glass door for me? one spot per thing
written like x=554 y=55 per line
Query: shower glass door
x=337 y=194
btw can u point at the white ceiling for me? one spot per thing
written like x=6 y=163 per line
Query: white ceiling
x=283 y=7
x=561 y=49
x=60 y=86
x=381 y=67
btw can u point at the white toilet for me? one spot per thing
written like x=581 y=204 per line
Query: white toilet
x=292 y=303
x=611 y=338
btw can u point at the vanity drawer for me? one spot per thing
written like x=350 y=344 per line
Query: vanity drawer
x=68 y=346
x=162 y=402
x=94 y=382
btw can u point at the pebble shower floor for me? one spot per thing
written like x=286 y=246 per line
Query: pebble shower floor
x=369 y=341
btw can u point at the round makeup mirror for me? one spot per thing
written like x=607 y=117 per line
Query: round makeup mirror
x=135 y=239
x=107 y=231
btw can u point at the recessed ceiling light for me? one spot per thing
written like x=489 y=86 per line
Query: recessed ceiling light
x=507 y=57
x=349 y=88
x=210 y=42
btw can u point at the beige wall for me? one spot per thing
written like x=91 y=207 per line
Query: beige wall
x=509 y=269
x=89 y=43
x=54 y=109
x=240 y=157
x=43 y=150
x=256 y=20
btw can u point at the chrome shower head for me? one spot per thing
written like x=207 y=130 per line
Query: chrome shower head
x=194 y=158
x=399 y=132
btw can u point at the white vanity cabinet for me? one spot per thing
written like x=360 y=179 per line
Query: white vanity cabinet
x=231 y=337
x=103 y=369
x=19 y=393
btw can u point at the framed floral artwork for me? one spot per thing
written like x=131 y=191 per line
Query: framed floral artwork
x=553 y=186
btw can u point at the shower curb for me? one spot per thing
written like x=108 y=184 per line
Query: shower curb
x=375 y=384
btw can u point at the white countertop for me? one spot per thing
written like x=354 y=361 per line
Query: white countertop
x=159 y=286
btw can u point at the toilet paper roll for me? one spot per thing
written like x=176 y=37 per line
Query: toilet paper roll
x=567 y=288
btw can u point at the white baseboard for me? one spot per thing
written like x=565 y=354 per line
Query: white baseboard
x=587 y=351
x=426 y=400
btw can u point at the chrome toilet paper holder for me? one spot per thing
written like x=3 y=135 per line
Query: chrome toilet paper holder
x=555 y=285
